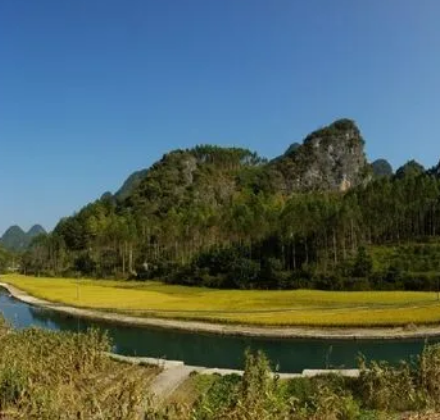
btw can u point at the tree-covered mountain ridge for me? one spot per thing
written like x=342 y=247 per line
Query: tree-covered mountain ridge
x=331 y=158
x=226 y=217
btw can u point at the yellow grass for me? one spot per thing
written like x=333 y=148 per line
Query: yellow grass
x=298 y=307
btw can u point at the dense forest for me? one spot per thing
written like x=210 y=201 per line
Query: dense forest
x=6 y=259
x=319 y=216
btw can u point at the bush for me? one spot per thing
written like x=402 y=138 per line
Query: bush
x=387 y=388
x=254 y=396
x=429 y=374
x=363 y=264
x=52 y=375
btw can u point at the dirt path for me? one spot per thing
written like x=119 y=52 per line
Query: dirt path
x=420 y=331
x=169 y=380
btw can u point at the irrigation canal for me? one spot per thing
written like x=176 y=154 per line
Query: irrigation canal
x=288 y=355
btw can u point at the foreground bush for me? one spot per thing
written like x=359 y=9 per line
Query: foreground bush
x=52 y=375
x=408 y=387
x=382 y=391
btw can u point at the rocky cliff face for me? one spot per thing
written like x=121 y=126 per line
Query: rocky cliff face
x=331 y=158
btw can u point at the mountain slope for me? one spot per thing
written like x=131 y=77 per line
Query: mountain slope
x=130 y=185
x=331 y=158
x=204 y=176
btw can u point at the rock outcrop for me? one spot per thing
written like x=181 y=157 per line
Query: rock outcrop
x=331 y=158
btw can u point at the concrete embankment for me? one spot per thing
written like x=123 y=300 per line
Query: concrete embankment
x=166 y=365
x=174 y=373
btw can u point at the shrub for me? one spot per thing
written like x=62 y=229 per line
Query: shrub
x=387 y=388
x=429 y=374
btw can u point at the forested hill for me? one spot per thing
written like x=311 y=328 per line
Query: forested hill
x=226 y=217
x=331 y=158
x=16 y=239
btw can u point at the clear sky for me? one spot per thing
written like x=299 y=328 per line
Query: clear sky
x=91 y=90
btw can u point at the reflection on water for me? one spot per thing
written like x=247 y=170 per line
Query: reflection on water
x=212 y=350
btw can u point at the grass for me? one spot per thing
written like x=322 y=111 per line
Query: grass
x=255 y=307
x=192 y=388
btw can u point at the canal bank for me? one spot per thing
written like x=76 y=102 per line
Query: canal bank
x=174 y=373
x=410 y=332
x=213 y=351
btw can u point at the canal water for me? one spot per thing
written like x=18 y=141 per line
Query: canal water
x=288 y=355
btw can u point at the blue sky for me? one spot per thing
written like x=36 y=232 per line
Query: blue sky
x=91 y=90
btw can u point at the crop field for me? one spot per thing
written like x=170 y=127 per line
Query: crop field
x=253 y=307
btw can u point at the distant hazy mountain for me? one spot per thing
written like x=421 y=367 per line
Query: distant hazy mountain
x=381 y=167
x=16 y=239
x=35 y=231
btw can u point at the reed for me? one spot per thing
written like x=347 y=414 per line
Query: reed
x=54 y=375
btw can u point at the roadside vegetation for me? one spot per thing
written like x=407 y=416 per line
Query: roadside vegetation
x=284 y=308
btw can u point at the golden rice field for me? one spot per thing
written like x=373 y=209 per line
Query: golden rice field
x=253 y=307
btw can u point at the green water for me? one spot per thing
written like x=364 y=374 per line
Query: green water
x=290 y=355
